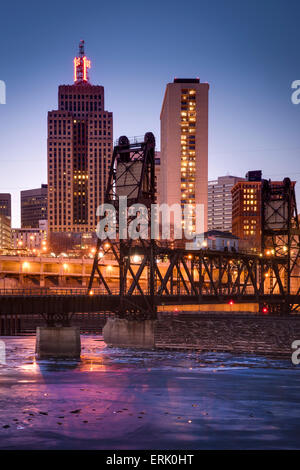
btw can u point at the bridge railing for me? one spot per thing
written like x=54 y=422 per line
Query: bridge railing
x=44 y=291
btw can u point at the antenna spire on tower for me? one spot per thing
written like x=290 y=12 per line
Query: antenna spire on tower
x=81 y=64
x=81 y=48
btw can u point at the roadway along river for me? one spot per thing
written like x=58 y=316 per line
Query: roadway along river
x=129 y=399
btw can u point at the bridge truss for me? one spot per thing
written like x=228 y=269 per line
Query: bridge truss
x=153 y=273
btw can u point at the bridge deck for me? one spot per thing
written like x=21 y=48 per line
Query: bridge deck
x=64 y=301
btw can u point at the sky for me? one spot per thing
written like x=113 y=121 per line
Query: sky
x=248 y=51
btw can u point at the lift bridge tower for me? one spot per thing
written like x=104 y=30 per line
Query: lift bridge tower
x=132 y=176
x=281 y=236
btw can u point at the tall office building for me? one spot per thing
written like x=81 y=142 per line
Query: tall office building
x=5 y=204
x=34 y=206
x=220 y=202
x=80 y=142
x=184 y=144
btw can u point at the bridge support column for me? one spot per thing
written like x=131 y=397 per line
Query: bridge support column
x=58 y=342
x=121 y=332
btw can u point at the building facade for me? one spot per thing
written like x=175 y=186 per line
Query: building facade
x=80 y=143
x=5 y=204
x=34 y=206
x=217 y=240
x=157 y=177
x=5 y=232
x=246 y=211
x=30 y=238
x=220 y=202
x=5 y=221
x=184 y=144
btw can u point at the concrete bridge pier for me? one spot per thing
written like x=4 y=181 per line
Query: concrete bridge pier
x=121 y=332
x=58 y=342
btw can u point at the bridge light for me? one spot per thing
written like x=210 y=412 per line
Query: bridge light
x=65 y=266
x=25 y=265
x=231 y=302
x=100 y=254
x=91 y=292
x=107 y=245
x=109 y=268
x=93 y=250
x=136 y=259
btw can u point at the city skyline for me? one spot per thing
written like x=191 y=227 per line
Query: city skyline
x=240 y=45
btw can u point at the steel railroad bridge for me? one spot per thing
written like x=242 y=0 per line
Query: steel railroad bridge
x=270 y=279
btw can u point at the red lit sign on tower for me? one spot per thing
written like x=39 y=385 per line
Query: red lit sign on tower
x=81 y=64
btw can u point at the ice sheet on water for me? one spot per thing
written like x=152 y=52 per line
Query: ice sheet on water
x=20 y=354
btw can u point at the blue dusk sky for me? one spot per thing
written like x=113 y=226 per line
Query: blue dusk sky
x=247 y=50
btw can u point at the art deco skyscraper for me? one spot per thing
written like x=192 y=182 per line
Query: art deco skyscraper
x=184 y=143
x=80 y=142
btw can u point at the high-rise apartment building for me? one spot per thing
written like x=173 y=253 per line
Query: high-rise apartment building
x=80 y=142
x=220 y=202
x=184 y=144
x=34 y=206
x=5 y=204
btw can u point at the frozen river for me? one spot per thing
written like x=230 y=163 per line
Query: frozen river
x=129 y=399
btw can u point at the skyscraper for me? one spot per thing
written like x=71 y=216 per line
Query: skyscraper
x=33 y=206
x=184 y=143
x=80 y=141
x=220 y=203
